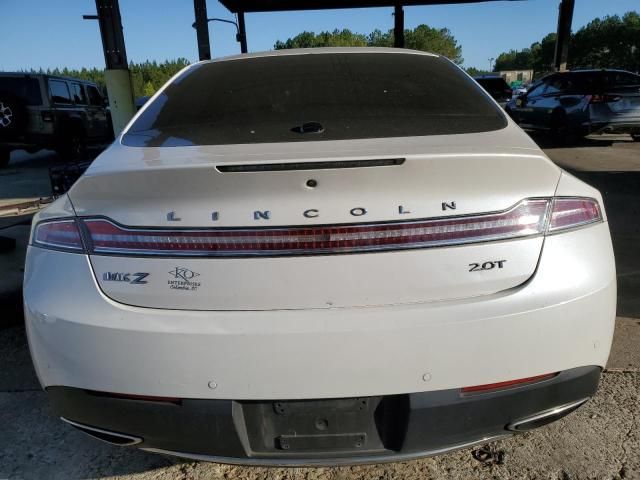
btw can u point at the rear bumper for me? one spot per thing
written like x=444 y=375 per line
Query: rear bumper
x=365 y=430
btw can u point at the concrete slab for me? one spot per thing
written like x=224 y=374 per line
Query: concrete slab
x=625 y=352
x=26 y=177
x=595 y=154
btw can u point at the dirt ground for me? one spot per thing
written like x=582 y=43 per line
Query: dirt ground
x=599 y=441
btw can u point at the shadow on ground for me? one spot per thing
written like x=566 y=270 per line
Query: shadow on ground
x=621 y=193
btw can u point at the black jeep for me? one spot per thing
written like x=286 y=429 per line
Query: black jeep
x=43 y=111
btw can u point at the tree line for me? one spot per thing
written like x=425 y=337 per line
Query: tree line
x=146 y=77
x=423 y=37
x=609 y=42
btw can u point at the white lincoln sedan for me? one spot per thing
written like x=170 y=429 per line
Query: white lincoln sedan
x=320 y=257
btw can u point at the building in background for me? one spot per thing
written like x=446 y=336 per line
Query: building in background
x=517 y=77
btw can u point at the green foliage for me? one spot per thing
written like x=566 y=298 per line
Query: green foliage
x=610 y=42
x=337 y=38
x=147 y=77
x=423 y=37
x=476 y=72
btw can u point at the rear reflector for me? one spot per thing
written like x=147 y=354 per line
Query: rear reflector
x=58 y=234
x=529 y=217
x=606 y=98
x=491 y=387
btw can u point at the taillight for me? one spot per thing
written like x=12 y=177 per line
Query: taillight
x=573 y=212
x=526 y=218
x=492 y=387
x=59 y=235
x=606 y=98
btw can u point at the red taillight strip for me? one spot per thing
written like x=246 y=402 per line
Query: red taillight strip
x=573 y=212
x=492 y=387
x=527 y=218
x=58 y=234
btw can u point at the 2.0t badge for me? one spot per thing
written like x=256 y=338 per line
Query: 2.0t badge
x=183 y=279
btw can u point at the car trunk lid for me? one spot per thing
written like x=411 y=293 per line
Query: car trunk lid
x=376 y=185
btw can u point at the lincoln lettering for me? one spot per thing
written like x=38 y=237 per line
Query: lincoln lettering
x=262 y=215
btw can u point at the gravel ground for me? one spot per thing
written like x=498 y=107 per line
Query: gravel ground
x=600 y=441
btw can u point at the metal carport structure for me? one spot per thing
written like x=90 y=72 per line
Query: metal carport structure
x=116 y=74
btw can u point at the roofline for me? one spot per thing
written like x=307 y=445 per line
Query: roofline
x=320 y=51
x=250 y=6
x=48 y=75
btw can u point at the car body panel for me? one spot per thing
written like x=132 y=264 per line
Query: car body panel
x=562 y=318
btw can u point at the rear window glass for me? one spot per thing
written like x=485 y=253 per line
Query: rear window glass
x=27 y=89
x=621 y=79
x=94 y=96
x=78 y=94
x=59 y=91
x=328 y=96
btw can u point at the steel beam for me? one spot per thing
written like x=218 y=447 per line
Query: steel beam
x=565 y=17
x=115 y=53
x=117 y=76
x=398 y=26
x=242 y=33
x=202 y=29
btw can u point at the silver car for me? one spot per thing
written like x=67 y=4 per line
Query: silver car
x=581 y=102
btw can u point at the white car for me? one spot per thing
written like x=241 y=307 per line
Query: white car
x=313 y=257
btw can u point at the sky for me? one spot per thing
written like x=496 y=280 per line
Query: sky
x=52 y=33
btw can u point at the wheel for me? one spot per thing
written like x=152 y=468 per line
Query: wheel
x=13 y=116
x=5 y=156
x=635 y=137
x=73 y=147
x=560 y=131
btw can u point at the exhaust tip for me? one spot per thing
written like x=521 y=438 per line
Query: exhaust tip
x=544 y=418
x=108 y=436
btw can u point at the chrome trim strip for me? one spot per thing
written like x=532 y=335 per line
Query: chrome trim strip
x=132 y=440
x=326 y=462
x=513 y=426
x=545 y=218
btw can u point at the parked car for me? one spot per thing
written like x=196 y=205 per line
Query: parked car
x=581 y=102
x=497 y=87
x=522 y=89
x=343 y=264
x=44 y=111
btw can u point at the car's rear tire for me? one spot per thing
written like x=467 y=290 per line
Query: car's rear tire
x=73 y=147
x=560 y=131
x=635 y=137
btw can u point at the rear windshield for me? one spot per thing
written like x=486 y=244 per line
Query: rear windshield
x=311 y=97
x=26 y=89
